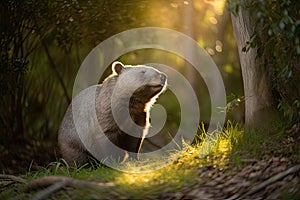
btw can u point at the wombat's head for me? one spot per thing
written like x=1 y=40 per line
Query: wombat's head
x=140 y=81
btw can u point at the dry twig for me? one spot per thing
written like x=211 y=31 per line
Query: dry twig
x=267 y=182
x=48 y=191
x=68 y=181
x=13 y=178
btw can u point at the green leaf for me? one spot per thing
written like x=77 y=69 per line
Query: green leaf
x=270 y=32
x=281 y=25
x=298 y=50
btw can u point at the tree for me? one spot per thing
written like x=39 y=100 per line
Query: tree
x=257 y=93
x=26 y=27
x=261 y=28
x=41 y=43
x=14 y=31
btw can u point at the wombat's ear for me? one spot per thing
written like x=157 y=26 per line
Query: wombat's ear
x=117 y=67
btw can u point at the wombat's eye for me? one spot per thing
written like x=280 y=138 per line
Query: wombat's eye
x=143 y=71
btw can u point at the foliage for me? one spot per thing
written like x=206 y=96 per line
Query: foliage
x=232 y=150
x=28 y=28
x=13 y=62
x=276 y=38
x=44 y=42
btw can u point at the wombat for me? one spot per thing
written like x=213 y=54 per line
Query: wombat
x=104 y=120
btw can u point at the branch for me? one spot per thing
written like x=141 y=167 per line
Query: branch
x=13 y=178
x=67 y=181
x=266 y=183
x=53 y=66
x=49 y=190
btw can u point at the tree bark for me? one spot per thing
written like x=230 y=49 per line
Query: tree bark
x=259 y=102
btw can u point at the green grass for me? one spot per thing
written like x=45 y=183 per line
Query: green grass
x=231 y=147
x=180 y=171
x=175 y=175
x=255 y=144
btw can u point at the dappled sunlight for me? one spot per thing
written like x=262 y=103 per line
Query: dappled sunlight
x=186 y=164
x=218 y=5
x=216 y=147
x=139 y=179
x=172 y=176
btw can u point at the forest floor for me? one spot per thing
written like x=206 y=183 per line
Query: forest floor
x=239 y=167
x=26 y=155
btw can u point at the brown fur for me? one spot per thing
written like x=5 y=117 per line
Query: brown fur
x=149 y=83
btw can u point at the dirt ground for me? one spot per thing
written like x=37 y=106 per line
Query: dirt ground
x=27 y=155
x=274 y=176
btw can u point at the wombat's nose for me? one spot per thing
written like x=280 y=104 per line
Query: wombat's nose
x=163 y=78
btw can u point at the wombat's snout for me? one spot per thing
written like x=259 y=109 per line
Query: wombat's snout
x=163 y=78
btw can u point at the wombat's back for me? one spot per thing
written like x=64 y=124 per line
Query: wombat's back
x=77 y=120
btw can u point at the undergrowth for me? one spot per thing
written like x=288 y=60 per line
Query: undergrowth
x=232 y=146
x=180 y=171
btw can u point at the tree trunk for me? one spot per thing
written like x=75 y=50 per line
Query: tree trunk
x=259 y=102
